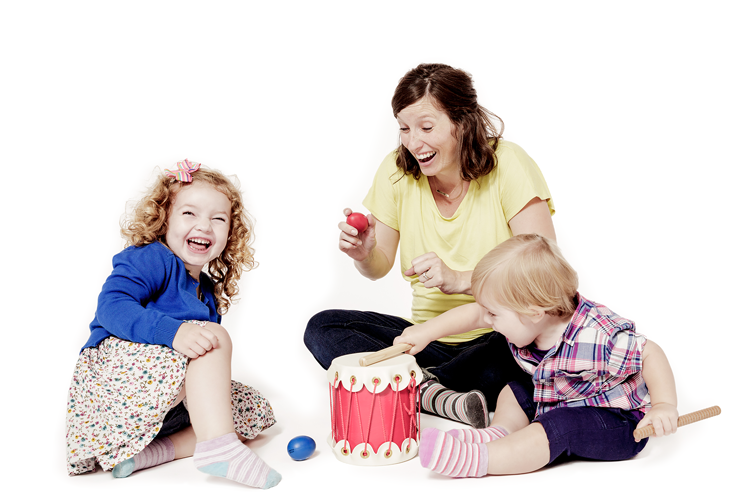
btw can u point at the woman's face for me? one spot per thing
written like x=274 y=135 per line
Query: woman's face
x=427 y=133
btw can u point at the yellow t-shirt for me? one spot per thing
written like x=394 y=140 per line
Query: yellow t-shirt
x=479 y=224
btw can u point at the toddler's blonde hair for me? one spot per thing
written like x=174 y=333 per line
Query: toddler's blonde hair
x=527 y=270
x=147 y=223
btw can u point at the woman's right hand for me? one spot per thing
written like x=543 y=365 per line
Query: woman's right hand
x=194 y=340
x=355 y=245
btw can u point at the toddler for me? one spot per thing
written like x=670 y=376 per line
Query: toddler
x=594 y=380
x=152 y=383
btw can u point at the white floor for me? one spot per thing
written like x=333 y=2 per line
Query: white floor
x=704 y=458
x=688 y=464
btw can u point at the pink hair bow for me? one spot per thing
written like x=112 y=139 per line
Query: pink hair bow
x=184 y=169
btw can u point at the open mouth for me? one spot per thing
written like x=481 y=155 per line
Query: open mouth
x=198 y=244
x=424 y=158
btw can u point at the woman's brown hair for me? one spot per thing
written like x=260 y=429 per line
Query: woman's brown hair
x=452 y=91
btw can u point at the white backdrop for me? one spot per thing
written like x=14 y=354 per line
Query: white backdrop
x=636 y=112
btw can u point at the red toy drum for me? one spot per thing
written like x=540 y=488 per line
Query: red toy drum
x=374 y=410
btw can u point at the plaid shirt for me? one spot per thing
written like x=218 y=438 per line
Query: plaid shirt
x=596 y=362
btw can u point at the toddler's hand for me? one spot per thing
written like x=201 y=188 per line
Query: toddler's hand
x=663 y=416
x=194 y=340
x=409 y=336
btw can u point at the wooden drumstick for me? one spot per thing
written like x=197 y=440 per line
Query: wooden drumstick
x=686 y=419
x=384 y=354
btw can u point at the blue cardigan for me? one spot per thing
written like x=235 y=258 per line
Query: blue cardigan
x=147 y=297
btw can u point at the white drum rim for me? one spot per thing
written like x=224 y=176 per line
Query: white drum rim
x=395 y=372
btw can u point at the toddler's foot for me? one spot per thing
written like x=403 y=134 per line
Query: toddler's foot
x=449 y=456
x=158 y=452
x=469 y=408
x=478 y=435
x=226 y=456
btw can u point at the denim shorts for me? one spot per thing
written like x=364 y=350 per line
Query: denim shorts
x=583 y=432
x=177 y=419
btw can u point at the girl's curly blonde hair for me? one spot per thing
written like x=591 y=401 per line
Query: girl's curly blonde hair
x=147 y=223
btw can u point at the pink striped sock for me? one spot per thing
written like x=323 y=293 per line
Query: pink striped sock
x=449 y=456
x=226 y=456
x=157 y=452
x=479 y=435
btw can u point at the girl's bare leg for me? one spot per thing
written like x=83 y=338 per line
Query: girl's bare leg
x=184 y=440
x=208 y=389
x=524 y=451
x=218 y=452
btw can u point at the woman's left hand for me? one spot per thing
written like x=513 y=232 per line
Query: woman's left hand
x=433 y=272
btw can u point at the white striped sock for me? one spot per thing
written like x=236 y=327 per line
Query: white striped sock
x=226 y=456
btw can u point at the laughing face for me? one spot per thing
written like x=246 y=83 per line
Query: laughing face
x=517 y=328
x=427 y=133
x=198 y=225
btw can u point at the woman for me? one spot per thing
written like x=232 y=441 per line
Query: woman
x=451 y=192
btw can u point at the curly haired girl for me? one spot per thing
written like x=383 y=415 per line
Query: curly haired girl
x=156 y=342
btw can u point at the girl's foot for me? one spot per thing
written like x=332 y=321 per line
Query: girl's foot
x=226 y=456
x=478 y=435
x=469 y=408
x=158 y=452
x=449 y=456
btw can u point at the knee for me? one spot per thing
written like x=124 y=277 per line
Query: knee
x=321 y=336
x=316 y=329
x=222 y=335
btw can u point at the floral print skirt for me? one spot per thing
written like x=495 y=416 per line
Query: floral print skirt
x=121 y=392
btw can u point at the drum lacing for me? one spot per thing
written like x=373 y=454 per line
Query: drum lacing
x=365 y=453
x=388 y=452
x=345 y=450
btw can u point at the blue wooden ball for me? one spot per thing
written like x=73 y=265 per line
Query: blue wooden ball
x=301 y=447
